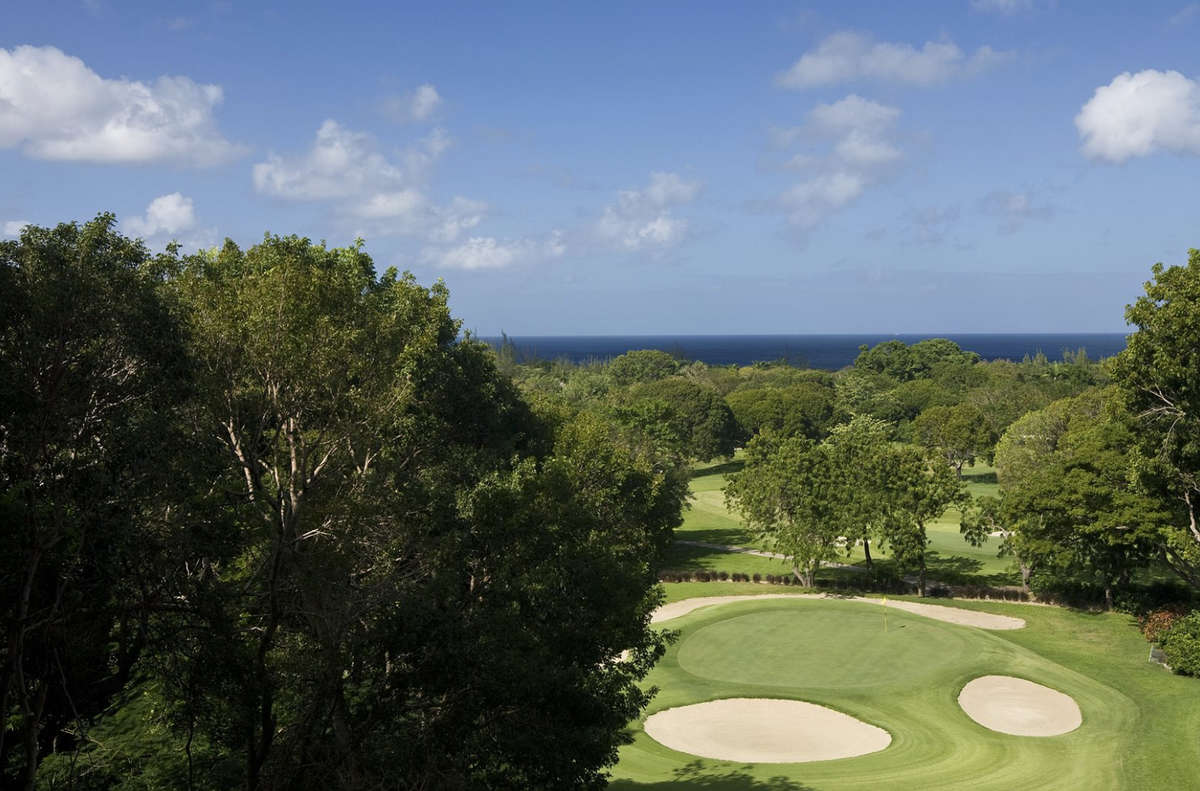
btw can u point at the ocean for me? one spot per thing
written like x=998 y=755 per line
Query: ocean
x=829 y=352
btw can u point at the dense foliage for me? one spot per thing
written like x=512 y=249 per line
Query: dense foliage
x=280 y=527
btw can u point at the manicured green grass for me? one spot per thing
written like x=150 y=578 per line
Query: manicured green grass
x=1139 y=728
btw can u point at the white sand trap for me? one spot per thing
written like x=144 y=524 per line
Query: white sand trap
x=981 y=620
x=764 y=730
x=1019 y=707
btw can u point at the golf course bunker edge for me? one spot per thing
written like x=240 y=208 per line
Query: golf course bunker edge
x=1018 y=707
x=764 y=730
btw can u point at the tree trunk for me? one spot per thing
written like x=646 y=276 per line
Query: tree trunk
x=921 y=577
x=1108 y=597
x=867 y=551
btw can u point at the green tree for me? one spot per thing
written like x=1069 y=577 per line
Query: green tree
x=642 y=365
x=430 y=582
x=859 y=452
x=791 y=492
x=693 y=421
x=918 y=490
x=959 y=433
x=1157 y=374
x=804 y=409
x=92 y=371
x=1073 y=515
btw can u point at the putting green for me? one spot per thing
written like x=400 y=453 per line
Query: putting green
x=782 y=647
x=905 y=680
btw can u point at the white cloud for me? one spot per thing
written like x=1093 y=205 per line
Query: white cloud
x=53 y=106
x=1014 y=209
x=342 y=163
x=13 y=227
x=419 y=105
x=852 y=113
x=166 y=215
x=642 y=219
x=372 y=194
x=1139 y=114
x=1001 y=6
x=847 y=56
x=859 y=154
x=485 y=252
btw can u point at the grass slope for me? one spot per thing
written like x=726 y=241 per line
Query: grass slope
x=1139 y=721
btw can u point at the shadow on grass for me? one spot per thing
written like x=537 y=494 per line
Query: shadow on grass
x=961 y=570
x=695 y=776
x=979 y=477
x=721 y=468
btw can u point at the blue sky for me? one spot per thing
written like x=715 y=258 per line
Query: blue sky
x=621 y=168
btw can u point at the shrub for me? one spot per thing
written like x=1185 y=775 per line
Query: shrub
x=757 y=577
x=771 y=579
x=1181 y=645
x=1156 y=622
x=723 y=575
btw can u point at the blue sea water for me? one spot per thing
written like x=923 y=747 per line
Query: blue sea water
x=830 y=352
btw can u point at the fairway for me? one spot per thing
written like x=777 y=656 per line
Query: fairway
x=905 y=677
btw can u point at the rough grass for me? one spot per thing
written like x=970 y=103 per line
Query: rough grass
x=1139 y=720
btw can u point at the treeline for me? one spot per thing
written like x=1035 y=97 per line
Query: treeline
x=1098 y=461
x=269 y=522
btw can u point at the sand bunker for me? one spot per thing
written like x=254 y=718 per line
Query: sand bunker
x=982 y=620
x=764 y=730
x=1019 y=707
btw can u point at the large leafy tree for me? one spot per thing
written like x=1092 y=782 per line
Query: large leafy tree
x=1158 y=375
x=959 y=433
x=430 y=582
x=1069 y=510
x=692 y=420
x=917 y=490
x=91 y=373
x=804 y=409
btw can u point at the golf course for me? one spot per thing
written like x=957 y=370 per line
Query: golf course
x=903 y=673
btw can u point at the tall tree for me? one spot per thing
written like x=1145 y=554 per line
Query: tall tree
x=412 y=583
x=959 y=433
x=1158 y=374
x=918 y=490
x=91 y=372
x=792 y=493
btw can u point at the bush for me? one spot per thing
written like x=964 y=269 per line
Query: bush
x=723 y=575
x=757 y=577
x=1156 y=622
x=771 y=579
x=1181 y=645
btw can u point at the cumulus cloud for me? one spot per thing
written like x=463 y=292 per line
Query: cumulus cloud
x=1014 y=209
x=641 y=219
x=13 y=227
x=373 y=193
x=848 y=56
x=342 y=163
x=52 y=106
x=166 y=215
x=418 y=105
x=856 y=131
x=1140 y=114
x=485 y=252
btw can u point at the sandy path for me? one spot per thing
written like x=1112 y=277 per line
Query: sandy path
x=982 y=620
x=1019 y=707
x=761 y=730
